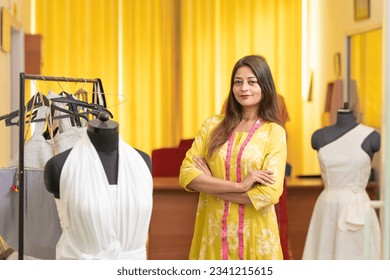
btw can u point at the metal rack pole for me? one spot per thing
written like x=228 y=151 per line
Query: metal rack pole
x=21 y=168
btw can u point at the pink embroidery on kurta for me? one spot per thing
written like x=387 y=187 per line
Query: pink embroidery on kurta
x=241 y=207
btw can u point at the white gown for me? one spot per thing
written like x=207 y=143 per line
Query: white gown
x=343 y=225
x=100 y=221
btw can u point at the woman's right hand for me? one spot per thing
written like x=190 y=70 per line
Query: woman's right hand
x=262 y=177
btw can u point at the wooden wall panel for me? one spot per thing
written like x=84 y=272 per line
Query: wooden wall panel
x=172 y=222
x=33 y=53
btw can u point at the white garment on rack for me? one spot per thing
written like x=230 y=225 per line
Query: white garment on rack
x=37 y=149
x=342 y=216
x=96 y=223
x=41 y=224
x=67 y=134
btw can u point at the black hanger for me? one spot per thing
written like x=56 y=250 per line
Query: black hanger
x=83 y=107
x=72 y=107
x=74 y=113
x=36 y=101
x=95 y=109
x=39 y=100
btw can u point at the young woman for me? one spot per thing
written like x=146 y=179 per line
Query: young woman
x=237 y=164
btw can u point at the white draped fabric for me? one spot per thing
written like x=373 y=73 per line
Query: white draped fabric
x=343 y=224
x=100 y=221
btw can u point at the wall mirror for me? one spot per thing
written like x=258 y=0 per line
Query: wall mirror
x=366 y=69
x=364 y=65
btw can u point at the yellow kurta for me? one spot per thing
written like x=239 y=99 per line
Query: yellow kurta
x=265 y=151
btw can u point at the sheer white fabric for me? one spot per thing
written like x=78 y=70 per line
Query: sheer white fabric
x=97 y=223
x=343 y=224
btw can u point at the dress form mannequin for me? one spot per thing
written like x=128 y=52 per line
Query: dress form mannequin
x=342 y=215
x=104 y=136
x=346 y=121
x=104 y=196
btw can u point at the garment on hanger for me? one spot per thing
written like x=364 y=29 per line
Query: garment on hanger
x=68 y=134
x=343 y=225
x=98 y=96
x=81 y=94
x=37 y=149
x=68 y=138
x=56 y=115
x=42 y=226
x=98 y=224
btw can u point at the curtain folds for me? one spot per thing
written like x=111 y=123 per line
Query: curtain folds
x=170 y=59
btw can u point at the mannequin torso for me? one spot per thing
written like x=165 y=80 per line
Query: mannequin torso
x=105 y=138
x=345 y=122
x=342 y=212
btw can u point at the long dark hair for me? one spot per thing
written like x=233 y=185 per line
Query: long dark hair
x=268 y=108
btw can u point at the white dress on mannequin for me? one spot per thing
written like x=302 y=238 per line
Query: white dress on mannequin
x=343 y=224
x=97 y=221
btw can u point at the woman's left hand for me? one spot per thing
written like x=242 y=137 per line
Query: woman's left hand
x=201 y=164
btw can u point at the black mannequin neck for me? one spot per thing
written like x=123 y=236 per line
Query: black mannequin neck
x=103 y=135
x=105 y=138
x=345 y=119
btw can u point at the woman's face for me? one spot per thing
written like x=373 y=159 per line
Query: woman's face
x=246 y=88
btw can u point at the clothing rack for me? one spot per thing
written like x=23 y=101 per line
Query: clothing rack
x=97 y=83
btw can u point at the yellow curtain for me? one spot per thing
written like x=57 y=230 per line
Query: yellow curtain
x=215 y=34
x=128 y=45
x=148 y=117
x=171 y=59
x=79 y=39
